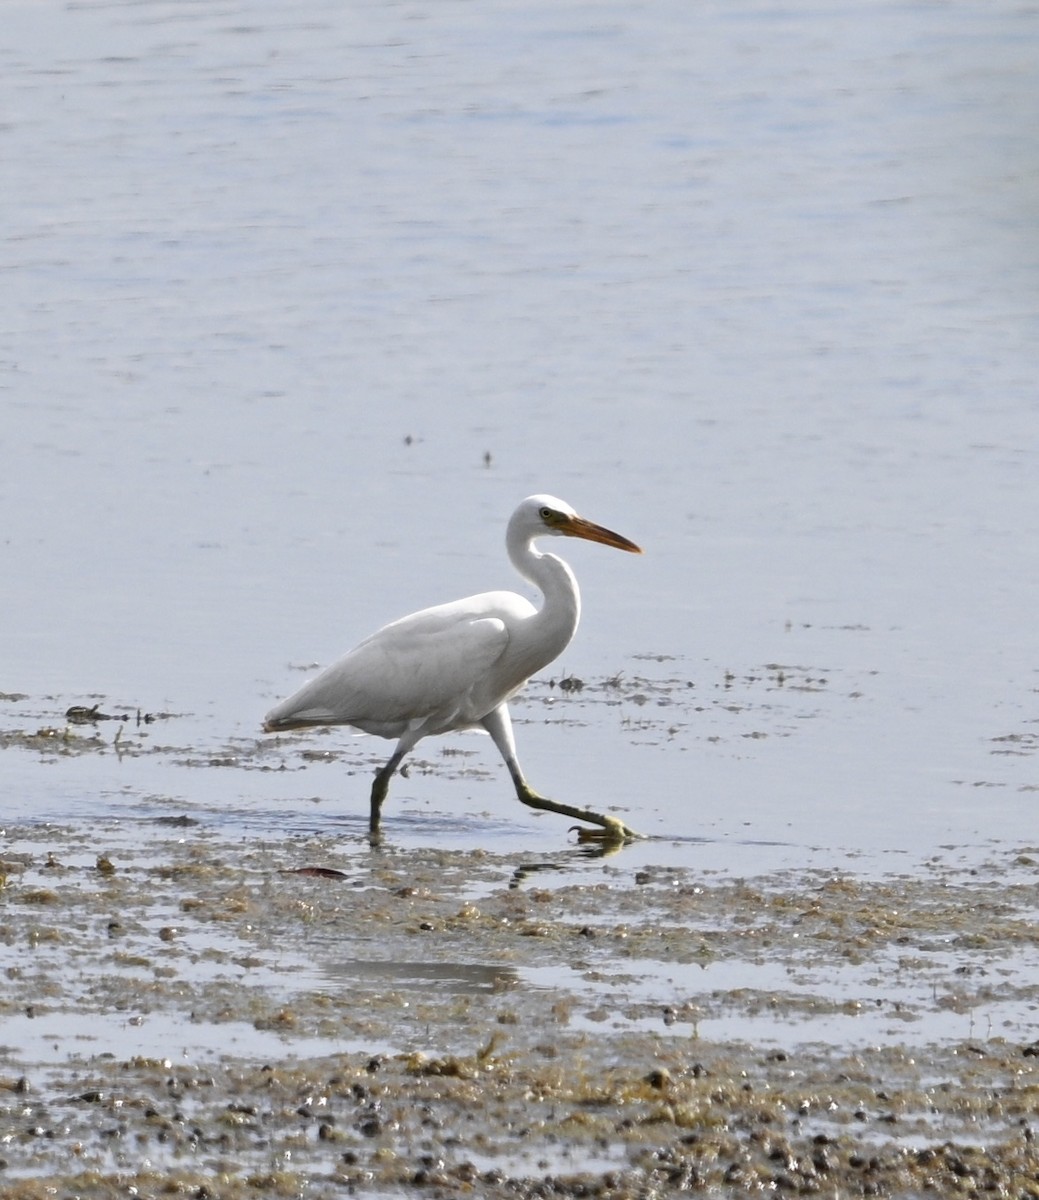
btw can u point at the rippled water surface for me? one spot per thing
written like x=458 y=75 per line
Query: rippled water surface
x=300 y=301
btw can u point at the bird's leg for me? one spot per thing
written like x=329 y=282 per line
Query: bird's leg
x=499 y=725
x=382 y=785
x=385 y=773
x=614 y=829
x=379 y=789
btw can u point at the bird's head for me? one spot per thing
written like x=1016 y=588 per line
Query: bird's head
x=545 y=515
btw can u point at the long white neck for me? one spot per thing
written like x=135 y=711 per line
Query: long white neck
x=556 y=621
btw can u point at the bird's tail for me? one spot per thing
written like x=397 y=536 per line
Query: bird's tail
x=288 y=715
x=272 y=723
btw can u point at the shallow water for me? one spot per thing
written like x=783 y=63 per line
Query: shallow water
x=302 y=303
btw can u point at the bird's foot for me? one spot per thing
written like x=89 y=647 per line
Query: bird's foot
x=612 y=830
x=613 y=833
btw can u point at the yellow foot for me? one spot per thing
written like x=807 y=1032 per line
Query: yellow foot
x=614 y=832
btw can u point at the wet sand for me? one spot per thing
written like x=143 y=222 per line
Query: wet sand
x=188 y=1012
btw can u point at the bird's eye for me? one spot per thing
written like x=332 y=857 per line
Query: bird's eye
x=545 y=513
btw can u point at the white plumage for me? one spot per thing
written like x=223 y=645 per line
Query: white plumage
x=456 y=666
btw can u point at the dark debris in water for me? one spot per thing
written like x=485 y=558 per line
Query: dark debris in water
x=317 y=872
x=82 y=714
x=76 y=731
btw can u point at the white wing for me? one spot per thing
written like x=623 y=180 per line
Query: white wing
x=420 y=670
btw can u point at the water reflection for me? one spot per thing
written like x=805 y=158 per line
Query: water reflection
x=460 y=978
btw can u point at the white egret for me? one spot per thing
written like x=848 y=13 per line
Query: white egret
x=456 y=666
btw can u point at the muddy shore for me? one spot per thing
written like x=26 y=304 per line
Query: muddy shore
x=190 y=1014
